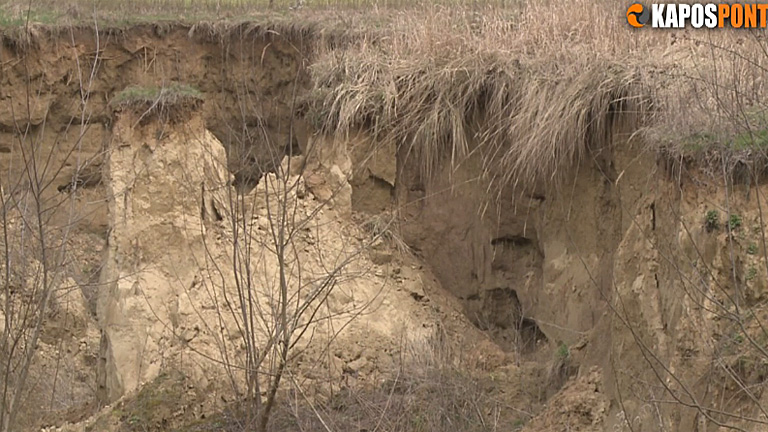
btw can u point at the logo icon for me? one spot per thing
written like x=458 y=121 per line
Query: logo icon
x=637 y=15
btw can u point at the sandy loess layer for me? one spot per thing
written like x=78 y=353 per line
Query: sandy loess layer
x=570 y=299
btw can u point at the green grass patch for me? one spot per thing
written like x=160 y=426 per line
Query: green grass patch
x=703 y=141
x=712 y=220
x=698 y=141
x=751 y=273
x=159 y=405
x=166 y=95
x=752 y=140
x=10 y=20
x=172 y=103
x=734 y=222
x=746 y=133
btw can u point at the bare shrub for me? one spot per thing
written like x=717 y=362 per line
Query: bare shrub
x=38 y=217
x=428 y=391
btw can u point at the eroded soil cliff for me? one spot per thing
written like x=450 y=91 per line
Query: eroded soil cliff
x=574 y=298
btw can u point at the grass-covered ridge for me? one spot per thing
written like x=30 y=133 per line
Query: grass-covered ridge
x=166 y=101
x=523 y=116
x=499 y=84
x=18 y=13
x=536 y=89
x=532 y=86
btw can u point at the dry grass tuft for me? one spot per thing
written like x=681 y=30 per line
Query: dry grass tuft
x=385 y=227
x=528 y=86
x=467 y=83
x=562 y=114
x=534 y=88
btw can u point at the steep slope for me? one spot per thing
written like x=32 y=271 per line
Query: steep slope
x=629 y=294
x=652 y=277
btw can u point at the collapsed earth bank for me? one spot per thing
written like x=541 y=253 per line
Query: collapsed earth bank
x=581 y=293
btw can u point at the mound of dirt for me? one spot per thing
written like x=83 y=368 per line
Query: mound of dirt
x=581 y=405
x=170 y=267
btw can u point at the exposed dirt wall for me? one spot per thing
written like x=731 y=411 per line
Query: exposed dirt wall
x=617 y=268
x=55 y=91
x=593 y=288
x=58 y=78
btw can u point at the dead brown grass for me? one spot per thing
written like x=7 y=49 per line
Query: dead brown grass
x=431 y=390
x=528 y=85
x=458 y=83
x=532 y=89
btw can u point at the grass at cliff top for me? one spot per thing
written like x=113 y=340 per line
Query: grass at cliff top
x=547 y=75
x=16 y=13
